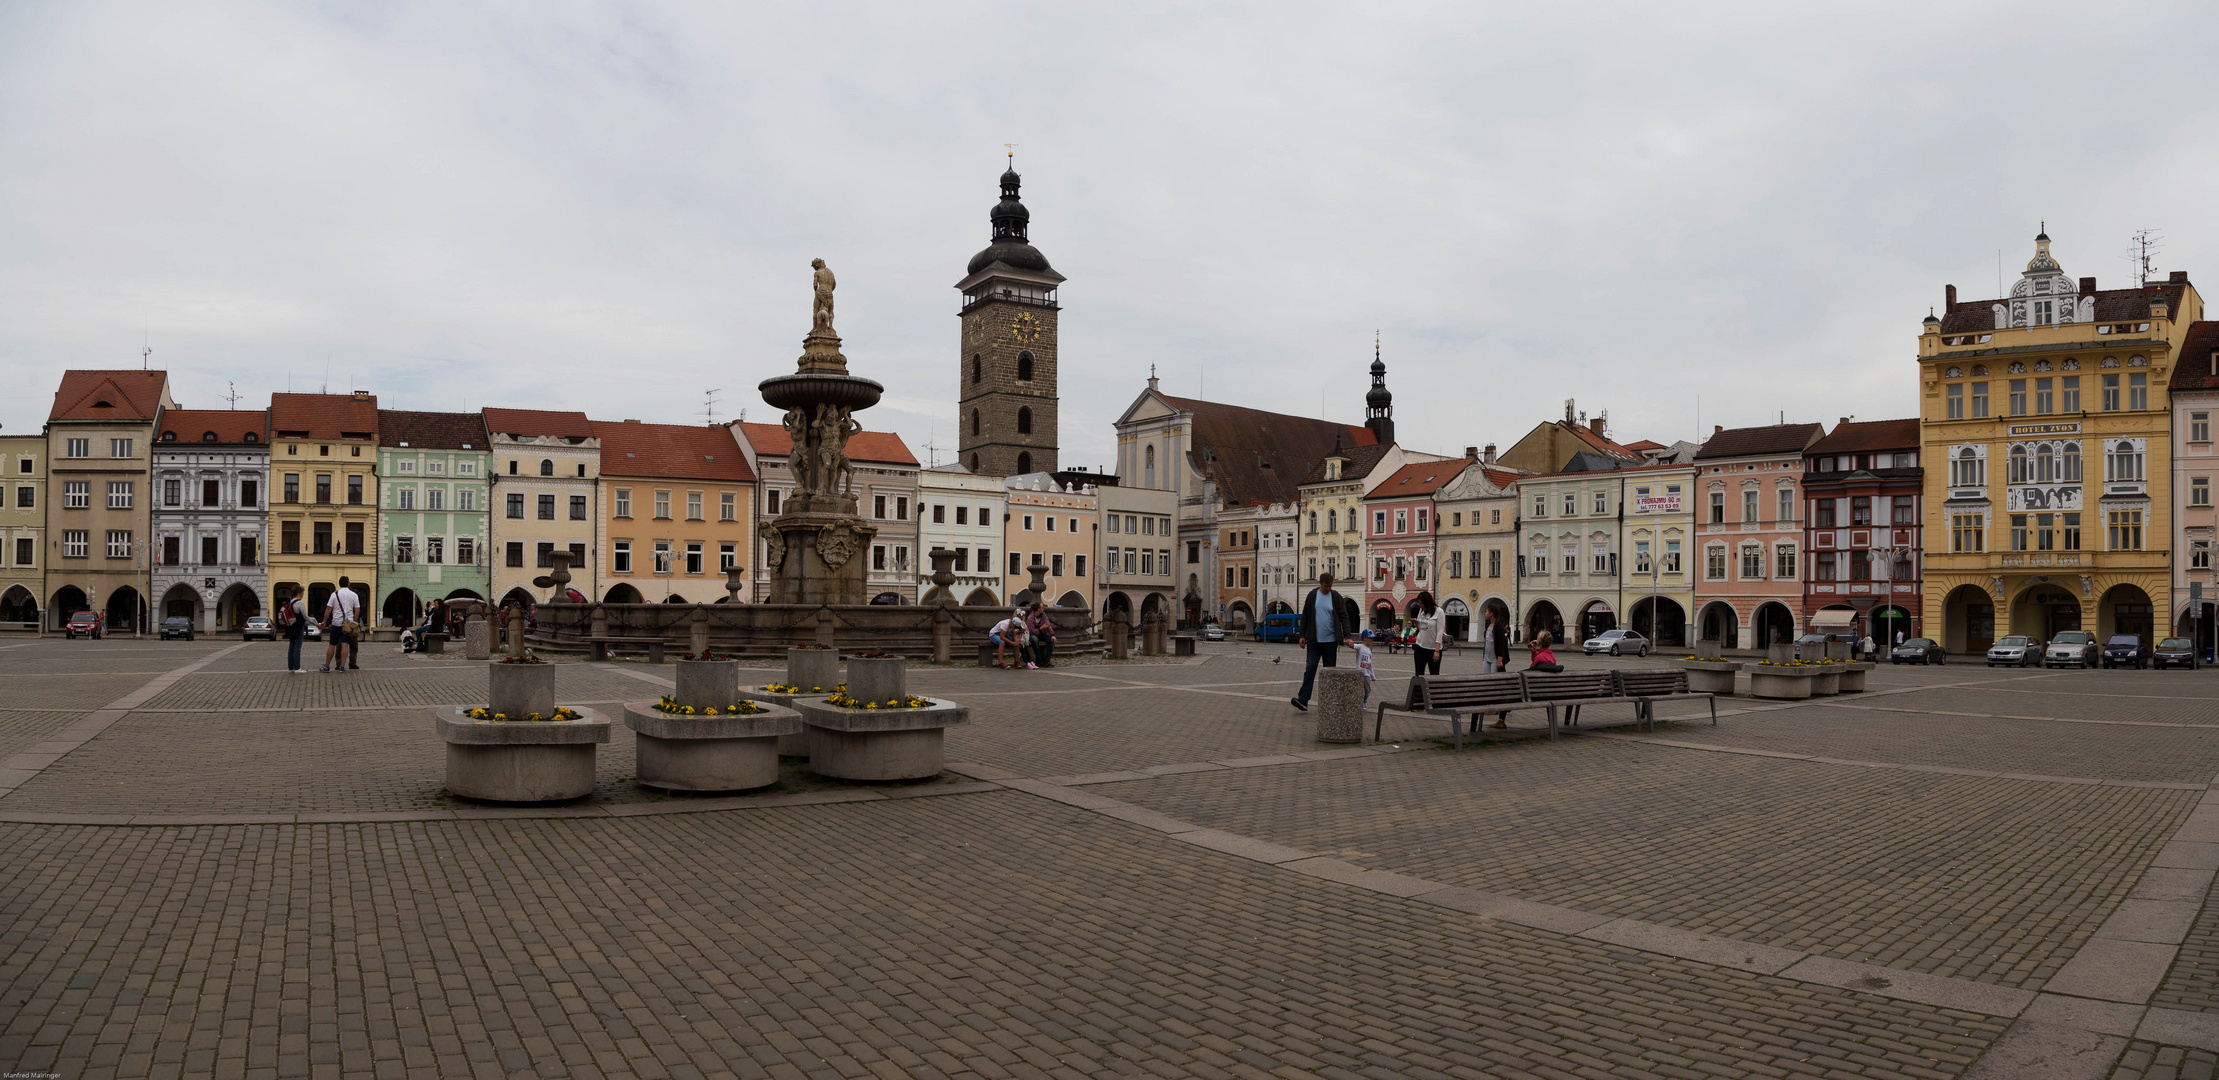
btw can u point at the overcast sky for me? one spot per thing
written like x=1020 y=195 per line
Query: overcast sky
x=612 y=208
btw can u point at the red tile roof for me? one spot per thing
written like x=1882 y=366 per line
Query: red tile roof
x=431 y=430
x=324 y=416
x=1361 y=461
x=2112 y=305
x=1261 y=457
x=2196 y=365
x=1769 y=439
x=1865 y=436
x=121 y=394
x=882 y=447
x=671 y=452
x=232 y=426
x=1645 y=445
x=1418 y=478
x=534 y=422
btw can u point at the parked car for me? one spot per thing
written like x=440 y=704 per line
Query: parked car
x=2016 y=650
x=2124 y=650
x=1918 y=650
x=177 y=626
x=1616 y=643
x=2072 y=648
x=259 y=626
x=1213 y=632
x=1280 y=627
x=313 y=631
x=85 y=623
x=2176 y=652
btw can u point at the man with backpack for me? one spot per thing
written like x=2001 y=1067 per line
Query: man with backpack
x=292 y=617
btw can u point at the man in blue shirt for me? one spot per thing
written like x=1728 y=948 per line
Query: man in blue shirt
x=1327 y=618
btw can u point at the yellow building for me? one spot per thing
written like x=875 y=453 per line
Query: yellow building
x=324 y=519
x=678 y=505
x=2045 y=430
x=1477 y=518
x=22 y=530
x=1046 y=523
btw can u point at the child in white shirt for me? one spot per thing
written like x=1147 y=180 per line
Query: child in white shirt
x=1363 y=664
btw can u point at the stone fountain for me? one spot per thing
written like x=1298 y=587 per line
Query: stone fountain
x=815 y=547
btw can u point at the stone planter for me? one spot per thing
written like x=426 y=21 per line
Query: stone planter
x=813 y=667
x=1827 y=682
x=708 y=683
x=878 y=679
x=878 y=744
x=1780 y=683
x=1709 y=676
x=708 y=753
x=1853 y=677
x=520 y=760
x=519 y=689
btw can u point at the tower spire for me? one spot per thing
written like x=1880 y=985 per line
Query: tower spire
x=1379 y=404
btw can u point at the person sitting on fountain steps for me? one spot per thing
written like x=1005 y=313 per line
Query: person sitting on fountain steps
x=1010 y=634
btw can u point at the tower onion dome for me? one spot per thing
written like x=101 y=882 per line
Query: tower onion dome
x=1010 y=248
x=1379 y=398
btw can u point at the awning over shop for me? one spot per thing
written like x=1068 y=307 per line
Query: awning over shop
x=1833 y=619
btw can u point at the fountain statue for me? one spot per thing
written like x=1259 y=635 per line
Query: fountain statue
x=814 y=547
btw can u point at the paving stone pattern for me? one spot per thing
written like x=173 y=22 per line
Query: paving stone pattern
x=2193 y=983
x=987 y=936
x=1992 y=881
x=2149 y=1061
x=20 y=728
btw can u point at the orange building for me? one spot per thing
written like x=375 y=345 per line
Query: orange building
x=676 y=516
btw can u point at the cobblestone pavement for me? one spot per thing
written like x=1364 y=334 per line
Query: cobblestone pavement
x=996 y=932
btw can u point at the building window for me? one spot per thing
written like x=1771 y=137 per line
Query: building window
x=248 y=554
x=354 y=489
x=2045 y=532
x=2018 y=532
x=1903 y=511
x=1860 y=511
x=1718 y=508
x=2018 y=397
x=878 y=506
x=771 y=503
x=1671 y=556
x=26 y=498
x=288 y=538
x=514 y=557
x=1602 y=559
x=119 y=544
x=1571 y=504
x=2111 y=393
x=1024 y=420
x=728 y=506
x=1749 y=505
x=1494 y=563
x=435 y=498
x=901 y=508
x=78 y=448
x=1966 y=534
x=1194 y=551
x=1714 y=563
x=1967 y=469
x=1024 y=367
x=620 y=557
x=1752 y=563
x=1456 y=564
x=2123 y=464
x=322 y=538
x=2138 y=391
x=693 y=556
x=1786 y=510
x=662 y=506
x=577 y=508
x=466 y=551
x=1822 y=513
x=2072 y=532
x=404 y=549
x=546 y=468
x=173 y=493
x=323 y=489
x=75 y=541
x=119 y=494
x=2126 y=530
x=170 y=554
x=693 y=505
x=728 y=558
x=1955 y=398
x=2072 y=393
x=435 y=550
x=516 y=505
x=77 y=494
x=355 y=539
x=404 y=498
x=2199 y=491
x=1783 y=562
x=2045 y=399
x=250 y=493
x=1402 y=523
x=119 y=448
x=1979 y=400
x=1078 y=568
x=2199 y=555
x=547 y=508
x=2199 y=427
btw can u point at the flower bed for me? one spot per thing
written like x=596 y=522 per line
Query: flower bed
x=846 y=702
x=563 y=714
x=783 y=688
x=669 y=706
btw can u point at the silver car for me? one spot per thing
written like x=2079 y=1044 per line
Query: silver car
x=1616 y=643
x=2071 y=648
x=2016 y=651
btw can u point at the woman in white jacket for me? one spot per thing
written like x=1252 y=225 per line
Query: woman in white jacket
x=1426 y=647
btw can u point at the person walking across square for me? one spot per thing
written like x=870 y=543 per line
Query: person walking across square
x=1327 y=619
x=293 y=617
x=342 y=610
x=1425 y=647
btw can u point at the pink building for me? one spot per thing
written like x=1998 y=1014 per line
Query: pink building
x=1749 y=540
x=1399 y=532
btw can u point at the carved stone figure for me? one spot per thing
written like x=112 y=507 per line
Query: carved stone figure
x=797 y=429
x=820 y=314
x=775 y=549
x=838 y=544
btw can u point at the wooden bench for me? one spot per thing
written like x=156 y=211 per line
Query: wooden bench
x=1570 y=690
x=599 y=646
x=1646 y=687
x=1454 y=696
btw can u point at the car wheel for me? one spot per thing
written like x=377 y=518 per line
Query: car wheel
x=1614 y=650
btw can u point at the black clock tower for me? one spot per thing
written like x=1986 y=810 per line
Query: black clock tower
x=1007 y=401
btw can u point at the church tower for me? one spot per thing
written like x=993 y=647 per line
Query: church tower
x=1007 y=402
x=1379 y=405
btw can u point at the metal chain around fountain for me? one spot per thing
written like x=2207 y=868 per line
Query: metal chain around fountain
x=814 y=548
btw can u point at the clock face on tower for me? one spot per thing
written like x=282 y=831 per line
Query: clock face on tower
x=974 y=330
x=1024 y=328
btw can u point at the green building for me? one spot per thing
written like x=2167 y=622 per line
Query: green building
x=433 y=513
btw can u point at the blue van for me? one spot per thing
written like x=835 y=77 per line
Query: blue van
x=1278 y=627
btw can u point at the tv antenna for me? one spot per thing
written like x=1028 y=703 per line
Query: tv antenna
x=2141 y=249
x=233 y=396
x=709 y=407
x=146 y=343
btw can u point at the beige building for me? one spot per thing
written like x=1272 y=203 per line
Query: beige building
x=22 y=530
x=324 y=518
x=1136 y=540
x=545 y=468
x=678 y=513
x=1477 y=514
x=97 y=443
x=885 y=496
x=1048 y=523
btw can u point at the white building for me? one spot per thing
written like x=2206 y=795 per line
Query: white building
x=211 y=516
x=962 y=512
x=1278 y=581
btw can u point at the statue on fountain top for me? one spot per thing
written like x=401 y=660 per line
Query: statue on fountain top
x=820 y=313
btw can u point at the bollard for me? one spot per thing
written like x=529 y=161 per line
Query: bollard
x=943 y=633
x=1340 y=705
x=699 y=639
x=1120 y=638
x=824 y=627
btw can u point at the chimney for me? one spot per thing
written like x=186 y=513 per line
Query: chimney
x=1844 y=420
x=1488 y=455
x=1567 y=410
x=1471 y=453
x=362 y=395
x=2087 y=285
x=2177 y=277
x=1949 y=299
x=1602 y=422
x=1717 y=429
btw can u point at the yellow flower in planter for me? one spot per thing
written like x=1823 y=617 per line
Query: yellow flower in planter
x=872 y=705
x=712 y=711
x=500 y=716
